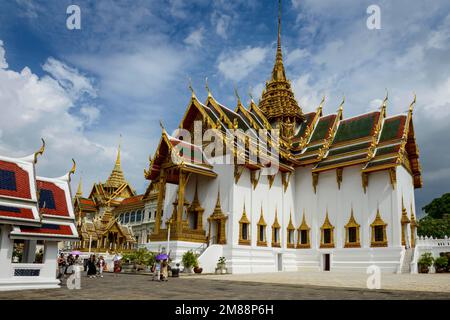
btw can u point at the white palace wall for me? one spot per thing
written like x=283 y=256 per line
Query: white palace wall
x=298 y=198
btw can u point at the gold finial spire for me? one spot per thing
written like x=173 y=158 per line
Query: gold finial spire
x=40 y=151
x=207 y=88
x=384 y=104
x=192 y=89
x=237 y=95
x=278 y=72
x=411 y=106
x=74 y=168
x=116 y=179
x=79 y=193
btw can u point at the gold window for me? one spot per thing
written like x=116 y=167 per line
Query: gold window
x=352 y=233
x=378 y=227
x=303 y=234
x=327 y=234
x=244 y=229
x=262 y=241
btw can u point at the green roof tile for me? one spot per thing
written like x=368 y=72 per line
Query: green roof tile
x=356 y=128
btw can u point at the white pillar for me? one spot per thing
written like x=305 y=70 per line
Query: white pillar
x=5 y=252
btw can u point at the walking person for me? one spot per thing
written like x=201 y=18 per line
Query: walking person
x=92 y=270
x=70 y=263
x=157 y=271
x=61 y=266
x=101 y=266
x=165 y=270
x=117 y=266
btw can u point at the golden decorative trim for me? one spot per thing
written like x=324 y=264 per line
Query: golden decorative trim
x=303 y=227
x=413 y=227
x=326 y=226
x=290 y=230
x=393 y=177
x=404 y=221
x=238 y=169
x=254 y=178
x=377 y=223
x=242 y=221
x=40 y=152
x=271 y=179
x=315 y=181
x=365 y=181
x=352 y=224
x=339 y=172
x=276 y=227
x=285 y=178
x=263 y=224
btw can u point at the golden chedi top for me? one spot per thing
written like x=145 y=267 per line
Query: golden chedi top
x=277 y=102
x=116 y=178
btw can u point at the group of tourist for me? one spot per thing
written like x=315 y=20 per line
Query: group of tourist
x=66 y=264
x=95 y=267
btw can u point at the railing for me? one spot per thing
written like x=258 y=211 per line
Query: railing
x=204 y=246
x=432 y=242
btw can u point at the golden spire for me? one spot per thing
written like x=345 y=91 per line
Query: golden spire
x=116 y=179
x=79 y=193
x=278 y=72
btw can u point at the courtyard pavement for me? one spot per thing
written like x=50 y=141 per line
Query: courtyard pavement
x=210 y=287
x=433 y=282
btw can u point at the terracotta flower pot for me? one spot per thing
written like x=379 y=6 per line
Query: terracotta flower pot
x=423 y=269
x=198 y=270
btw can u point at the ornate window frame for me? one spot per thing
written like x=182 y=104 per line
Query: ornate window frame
x=290 y=230
x=242 y=221
x=304 y=227
x=276 y=227
x=413 y=226
x=352 y=224
x=377 y=223
x=326 y=226
x=404 y=221
x=261 y=224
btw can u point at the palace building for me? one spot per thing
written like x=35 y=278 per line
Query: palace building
x=342 y=197
x=113 y=218
x=36 y=214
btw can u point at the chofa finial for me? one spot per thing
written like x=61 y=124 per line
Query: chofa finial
x=73 y=170
x=40 y=151
x=207 y=87
x=411 y=106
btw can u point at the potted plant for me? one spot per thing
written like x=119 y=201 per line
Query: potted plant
x=189 y=260
x=197 y=269
x=176 y=271
x=425 y=262
x=441 y=264
x=221 y=266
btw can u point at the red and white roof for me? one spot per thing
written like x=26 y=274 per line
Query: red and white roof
x=37 y=207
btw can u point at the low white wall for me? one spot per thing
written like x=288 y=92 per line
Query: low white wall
x=429 y=244
x=209 y=258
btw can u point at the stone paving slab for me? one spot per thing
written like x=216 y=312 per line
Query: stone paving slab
x=435 y=282
x=141 y=287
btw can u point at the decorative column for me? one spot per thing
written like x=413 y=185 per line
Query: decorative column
x=180 y=206
x=161 y=195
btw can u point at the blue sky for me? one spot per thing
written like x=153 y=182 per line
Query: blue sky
x=129 y=65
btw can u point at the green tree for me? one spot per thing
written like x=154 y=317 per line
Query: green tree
x=438 y=207
x=436 y=228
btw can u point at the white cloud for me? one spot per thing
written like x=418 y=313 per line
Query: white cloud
x=296 y=55
x=90 y=113
x=222 y=23
x=34 y=107
x=69 y=78
x=238 y=65
x=3 y=64
x=195 y=38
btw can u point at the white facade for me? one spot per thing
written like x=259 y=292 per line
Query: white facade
x=300 y=197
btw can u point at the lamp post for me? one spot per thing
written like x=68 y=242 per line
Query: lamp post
x=169 y=222
x=90 y=242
